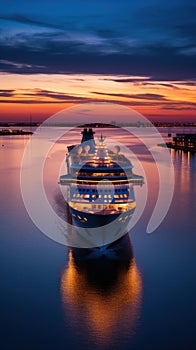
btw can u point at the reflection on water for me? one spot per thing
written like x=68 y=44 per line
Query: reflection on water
x=101 y=302
x=101 y=290
x=185 y=169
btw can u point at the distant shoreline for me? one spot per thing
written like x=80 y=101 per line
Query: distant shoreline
x=100 y=125
x=11 y=132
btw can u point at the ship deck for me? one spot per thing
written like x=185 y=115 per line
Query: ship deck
x=68 y=180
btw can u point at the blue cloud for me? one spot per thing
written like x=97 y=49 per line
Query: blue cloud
x=154 y=39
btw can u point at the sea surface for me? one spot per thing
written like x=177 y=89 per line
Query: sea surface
x=139 y=293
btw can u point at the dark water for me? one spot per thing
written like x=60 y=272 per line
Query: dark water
x=139 y=295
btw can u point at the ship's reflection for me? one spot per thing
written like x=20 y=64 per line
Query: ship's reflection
x=101 y=291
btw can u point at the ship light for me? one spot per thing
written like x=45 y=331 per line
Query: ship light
x=101 y=153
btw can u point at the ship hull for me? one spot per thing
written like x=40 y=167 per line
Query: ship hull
x=109 y=226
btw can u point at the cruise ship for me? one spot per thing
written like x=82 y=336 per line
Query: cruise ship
x=100 y=185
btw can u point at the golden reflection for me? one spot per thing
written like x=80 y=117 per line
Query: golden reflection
x=102 y=290
x=182 y=162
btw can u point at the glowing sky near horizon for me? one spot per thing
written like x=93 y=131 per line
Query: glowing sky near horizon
x=140 y=54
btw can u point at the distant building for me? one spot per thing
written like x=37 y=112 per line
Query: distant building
x=186 y=142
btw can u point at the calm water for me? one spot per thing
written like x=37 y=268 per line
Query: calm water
x=140 y=296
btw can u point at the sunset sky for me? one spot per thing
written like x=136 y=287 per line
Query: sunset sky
x=54 y=54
